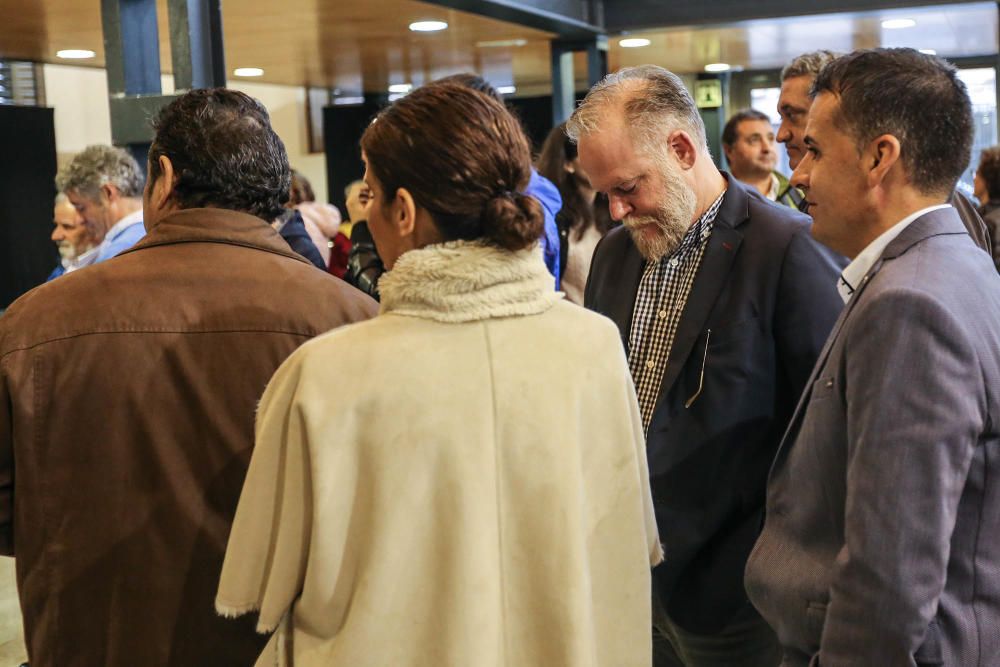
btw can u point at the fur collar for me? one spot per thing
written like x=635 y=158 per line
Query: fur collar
x=465 y=281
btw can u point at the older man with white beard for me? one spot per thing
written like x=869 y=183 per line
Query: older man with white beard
x=75 y=238
x=723 y=301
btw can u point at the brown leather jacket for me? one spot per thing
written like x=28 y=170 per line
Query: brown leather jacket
x=127 y=398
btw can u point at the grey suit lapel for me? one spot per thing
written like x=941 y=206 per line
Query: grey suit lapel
x=935 y=223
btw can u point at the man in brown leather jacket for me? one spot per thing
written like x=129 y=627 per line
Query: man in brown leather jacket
x=127 y=398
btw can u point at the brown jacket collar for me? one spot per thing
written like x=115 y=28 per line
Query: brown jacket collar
x=216 y=225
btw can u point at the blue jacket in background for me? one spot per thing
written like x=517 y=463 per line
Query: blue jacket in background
x=547 y=195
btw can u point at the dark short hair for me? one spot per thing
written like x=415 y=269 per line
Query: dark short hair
x=224 y=153
x=915 y=97
x=989 y=170
x=729 y=131
x=463 y=157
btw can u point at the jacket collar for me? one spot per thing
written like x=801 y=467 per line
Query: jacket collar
x=216 y=225
x=465 y=281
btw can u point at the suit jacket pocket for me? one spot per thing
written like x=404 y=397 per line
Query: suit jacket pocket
x=930 y=653
x=730 y=332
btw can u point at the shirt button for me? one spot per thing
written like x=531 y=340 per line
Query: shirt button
x=662 y=314
x=650 y=364
x=673 y=261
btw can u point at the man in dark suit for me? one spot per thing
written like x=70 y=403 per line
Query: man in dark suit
x=883 y=506
x=723 y=301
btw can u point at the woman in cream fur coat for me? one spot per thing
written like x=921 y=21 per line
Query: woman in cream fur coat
x=480 y=497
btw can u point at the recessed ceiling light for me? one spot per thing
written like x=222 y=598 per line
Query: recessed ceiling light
x=930 y=52
x=718 y=67
x=506 y=90
x=401 y=88
x=633 y=42
x=248 y=71
x=428 y=26
x=898 y=24
x=501 y=43
x=75 y=54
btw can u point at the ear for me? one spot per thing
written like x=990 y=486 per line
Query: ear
x=109 y=193
x=161 y=190
x=879 y=158
x=683 y=148
x=404 y=212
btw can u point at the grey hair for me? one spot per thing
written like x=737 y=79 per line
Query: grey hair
x=61 y=198
x=808 y=64
x=98 y=165
x=347 y=190
x=654 y=100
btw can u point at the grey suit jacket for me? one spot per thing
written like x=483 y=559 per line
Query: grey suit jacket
x=882 y=539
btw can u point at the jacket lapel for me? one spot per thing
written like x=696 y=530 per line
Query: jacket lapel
x=942 y=221
x=622 y=309
x=712 y=275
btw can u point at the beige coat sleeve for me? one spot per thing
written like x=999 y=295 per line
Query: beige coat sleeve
x=269 y=544
x=639 y=439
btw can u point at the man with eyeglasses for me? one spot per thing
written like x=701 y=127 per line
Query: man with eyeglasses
x=723 y=301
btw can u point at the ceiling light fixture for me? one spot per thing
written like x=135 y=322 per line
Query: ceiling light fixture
x=401 y=88
x=501 y=43
x=75 y=54
x=428 y=26
x=506 y=90
x=718 y=67
x=898 y=24
x=633 y=42
x=248 y=71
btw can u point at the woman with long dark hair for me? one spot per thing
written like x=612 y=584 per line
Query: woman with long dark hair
x=480 y=496
x=584 y=217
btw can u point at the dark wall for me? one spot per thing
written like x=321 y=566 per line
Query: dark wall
x=343 y=126
x=27 y=255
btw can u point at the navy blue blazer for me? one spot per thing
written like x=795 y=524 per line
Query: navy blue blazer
x=767 y=292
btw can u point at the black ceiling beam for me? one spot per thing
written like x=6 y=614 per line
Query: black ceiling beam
x=623 y=15
x=576 y=19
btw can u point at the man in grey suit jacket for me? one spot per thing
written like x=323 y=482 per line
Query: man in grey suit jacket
x=883 y=504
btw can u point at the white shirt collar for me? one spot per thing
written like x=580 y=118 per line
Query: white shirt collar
x=855 y=272
x=121 y=225
x=86 y=259
x=772 y=194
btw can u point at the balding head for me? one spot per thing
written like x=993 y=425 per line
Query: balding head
x=651 y=101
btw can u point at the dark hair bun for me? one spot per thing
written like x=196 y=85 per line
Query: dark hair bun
x=512 y=221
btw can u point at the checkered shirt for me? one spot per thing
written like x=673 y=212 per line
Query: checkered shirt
x=663 y=292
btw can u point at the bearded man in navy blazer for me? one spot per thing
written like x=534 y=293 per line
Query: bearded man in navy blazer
x=723 y=301
x=883 y=507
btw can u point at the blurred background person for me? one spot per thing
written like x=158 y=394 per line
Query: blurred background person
x=364 y=266
x=987 y=191
x=76 y=242
x=748 y=142
x=480 y=497
x=322 y=223
x=104 y=184
x=583 y=219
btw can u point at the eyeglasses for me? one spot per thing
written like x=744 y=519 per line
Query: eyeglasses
x=701 y=376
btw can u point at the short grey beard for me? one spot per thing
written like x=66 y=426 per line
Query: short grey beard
x=672 y=220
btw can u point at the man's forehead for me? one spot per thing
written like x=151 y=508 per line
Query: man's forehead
x=609 y=154
x=751 y=126
x=796 y=90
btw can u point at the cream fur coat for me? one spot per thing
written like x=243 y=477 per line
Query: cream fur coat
x=479 y=498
